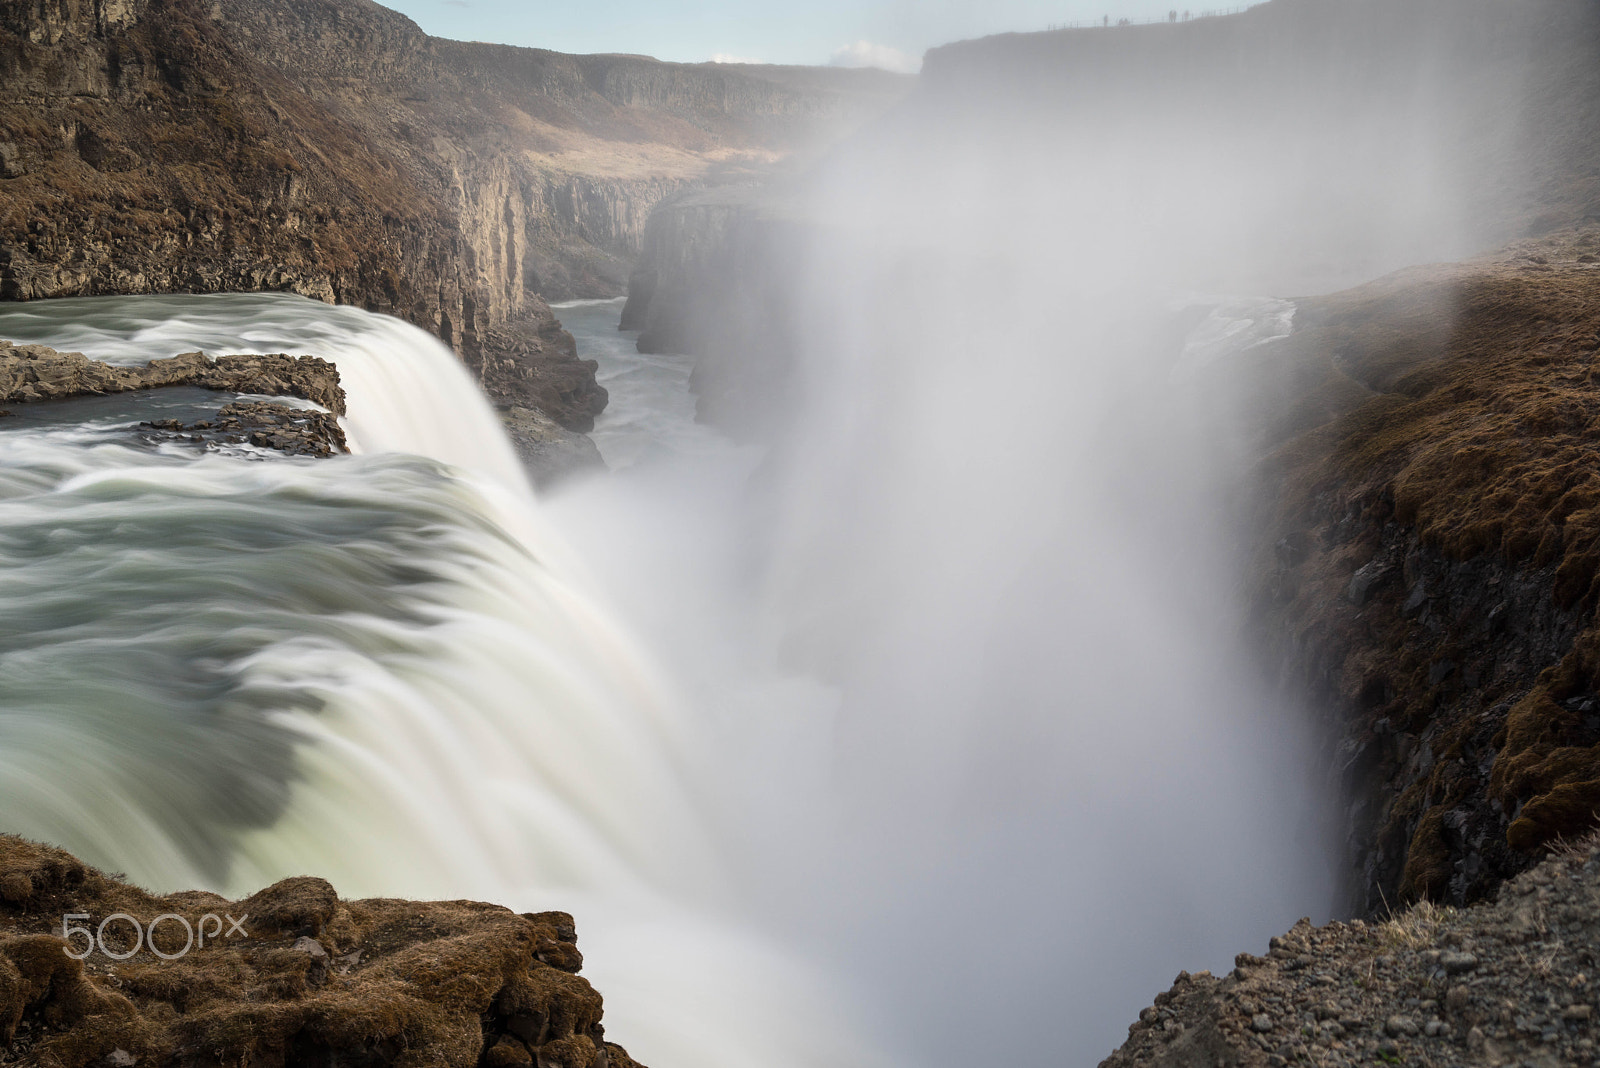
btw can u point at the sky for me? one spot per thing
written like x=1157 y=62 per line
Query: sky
x=888 y=33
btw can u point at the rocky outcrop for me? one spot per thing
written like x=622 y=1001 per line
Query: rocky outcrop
x=332 y=149
x=292 y=975
x=535 y=363
x=37 y=372
x=1502 y=984
x=266 y=426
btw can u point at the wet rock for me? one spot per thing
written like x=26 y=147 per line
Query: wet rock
x=551 y=453
x=534 y=364
x=307 y=377
x=1366 y=580
x=295 y=431
x=37 y=372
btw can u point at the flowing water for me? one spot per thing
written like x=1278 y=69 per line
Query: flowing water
x=650 y=417
x=398 y=670
x=377 y=668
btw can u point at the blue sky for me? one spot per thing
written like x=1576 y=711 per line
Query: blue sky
x=796 y=31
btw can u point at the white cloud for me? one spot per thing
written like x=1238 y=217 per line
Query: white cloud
x=723 y=57
x=867 y=54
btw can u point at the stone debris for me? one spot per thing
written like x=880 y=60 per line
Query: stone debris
x=1510 y=983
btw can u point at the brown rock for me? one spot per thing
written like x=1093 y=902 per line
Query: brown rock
x=446 y=983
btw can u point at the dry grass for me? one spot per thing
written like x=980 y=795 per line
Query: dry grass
x=1415 y=928
x=1578 y=848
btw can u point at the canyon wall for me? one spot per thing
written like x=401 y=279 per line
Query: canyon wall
x=330 y=148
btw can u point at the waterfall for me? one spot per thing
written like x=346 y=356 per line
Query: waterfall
x=905 y=737
x=385 y=669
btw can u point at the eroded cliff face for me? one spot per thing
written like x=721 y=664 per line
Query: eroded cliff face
x=330 y=148
x=1427 y=564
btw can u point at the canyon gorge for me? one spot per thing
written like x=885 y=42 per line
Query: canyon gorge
x=1139 y=491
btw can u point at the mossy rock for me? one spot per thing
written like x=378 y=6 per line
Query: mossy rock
x=305 y=978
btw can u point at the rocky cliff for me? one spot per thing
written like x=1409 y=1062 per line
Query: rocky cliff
x=1427 y=562
x=330 y=148
x=714 y=279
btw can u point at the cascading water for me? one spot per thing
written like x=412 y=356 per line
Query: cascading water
x=379 y=668
x=397 y=671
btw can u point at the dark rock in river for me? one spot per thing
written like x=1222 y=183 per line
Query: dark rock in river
x=38 y=373
x=304 y=978
x=534 y=362
x=296 y=431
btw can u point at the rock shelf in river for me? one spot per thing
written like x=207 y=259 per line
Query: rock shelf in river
x=36 y=372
